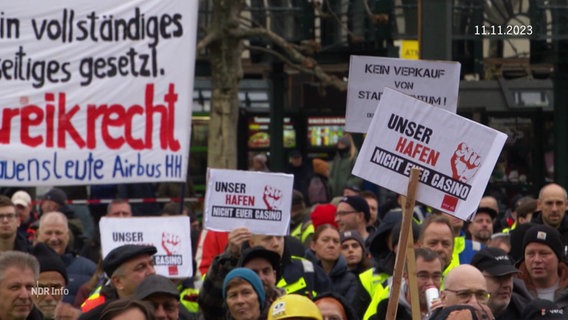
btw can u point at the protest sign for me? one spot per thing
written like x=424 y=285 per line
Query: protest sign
x=260 y=201
x=95 y=91
x=170 y=235
x=434 y=82
x=455 y=155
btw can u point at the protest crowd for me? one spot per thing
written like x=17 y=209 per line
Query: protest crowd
x=507 y=262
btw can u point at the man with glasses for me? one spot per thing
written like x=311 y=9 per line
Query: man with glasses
x=465 y=285
x=428 y=275
x=505 y=302
x=10 y=238
x=353 y=214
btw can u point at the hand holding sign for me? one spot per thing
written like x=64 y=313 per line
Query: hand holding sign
x=465 y=163
x=170 y=243
x=236 y=238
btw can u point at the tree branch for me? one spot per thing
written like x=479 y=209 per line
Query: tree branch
x=209 y=37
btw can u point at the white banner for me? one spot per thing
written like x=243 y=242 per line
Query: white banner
x=455 y=155
x=95 y=91
x=260 y=201
x=434 y=82
x=170 y=235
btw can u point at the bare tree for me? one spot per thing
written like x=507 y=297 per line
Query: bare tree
x=225 y=40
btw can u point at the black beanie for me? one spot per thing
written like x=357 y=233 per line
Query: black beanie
x=545 y=235
x=49 y=260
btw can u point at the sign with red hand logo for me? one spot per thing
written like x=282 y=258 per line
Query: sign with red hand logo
x=455 y=155
x=260 y=201
x=170 y=236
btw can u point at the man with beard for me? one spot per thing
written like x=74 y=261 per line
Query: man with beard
x=508 y=294
x=480 y=229
x=18 y=274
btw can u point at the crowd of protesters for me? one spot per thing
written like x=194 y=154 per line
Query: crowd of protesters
x=338 y=261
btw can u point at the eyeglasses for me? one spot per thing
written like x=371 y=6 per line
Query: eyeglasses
x=7 y=216
x=482 y=296
x=425 y=276
x=342 y=213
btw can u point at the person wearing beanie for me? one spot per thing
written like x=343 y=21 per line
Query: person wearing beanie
x=353 y=214
x=52 y=280
x=243 y=294
x=323 y=214
x=54 y=231
x=543 y=266
x=353 y=249
x=294 y=274
x=342 y=165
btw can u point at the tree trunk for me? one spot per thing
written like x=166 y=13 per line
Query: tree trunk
x=226 y=73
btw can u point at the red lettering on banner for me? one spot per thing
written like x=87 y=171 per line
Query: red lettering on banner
x=241 y=200
x=417 y=150
x=102 y=121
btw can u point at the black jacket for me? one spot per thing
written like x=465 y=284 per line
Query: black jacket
x=342 y=280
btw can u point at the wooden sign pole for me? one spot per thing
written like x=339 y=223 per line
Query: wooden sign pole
x=405 y=233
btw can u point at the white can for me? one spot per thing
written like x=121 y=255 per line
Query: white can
x=431 y=293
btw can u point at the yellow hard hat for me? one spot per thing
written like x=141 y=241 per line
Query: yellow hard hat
x=293 y=306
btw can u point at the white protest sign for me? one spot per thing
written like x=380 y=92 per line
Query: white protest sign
x=455 y=155
x=95 y=91
x=260 y=201
x=170 y=235
x=434 y=82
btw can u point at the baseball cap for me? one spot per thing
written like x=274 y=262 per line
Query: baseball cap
x=359 y=204
x=120 y=255
x=545 y=235
x=153 y=284
x=56 y=195
x=21 y=198
x=494 y=261
x=543 y=309
x=490 y=211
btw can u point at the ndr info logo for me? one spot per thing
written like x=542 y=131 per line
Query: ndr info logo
x=46 y=290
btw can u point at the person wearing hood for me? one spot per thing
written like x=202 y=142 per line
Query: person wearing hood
x=342 y=165
x=325 y=251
